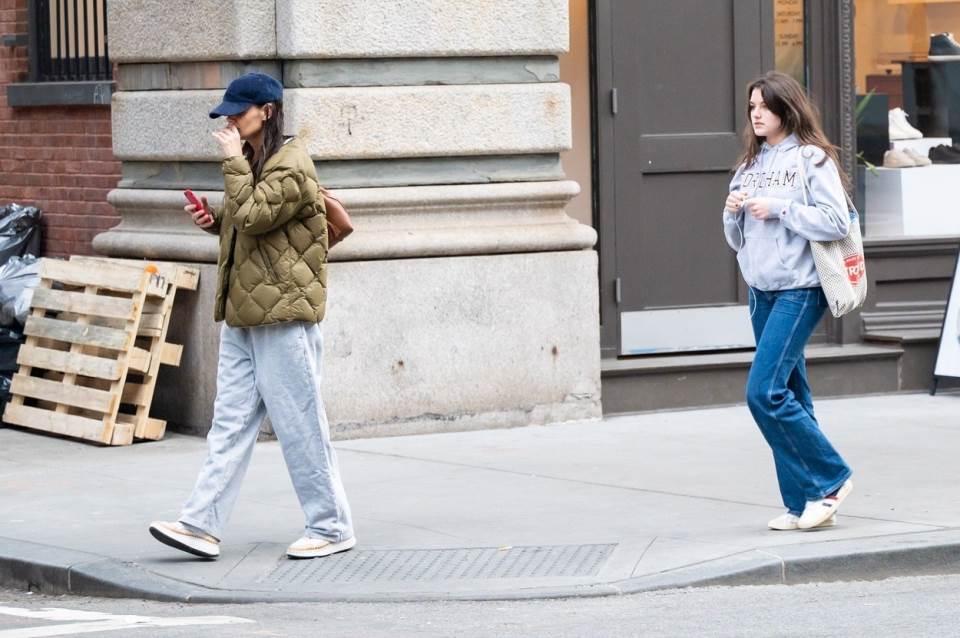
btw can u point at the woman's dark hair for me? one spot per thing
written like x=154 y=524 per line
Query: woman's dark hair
x=788 y=100
x=272 y=140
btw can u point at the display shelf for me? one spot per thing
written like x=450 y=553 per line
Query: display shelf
x=913 y=201
x=921 y=146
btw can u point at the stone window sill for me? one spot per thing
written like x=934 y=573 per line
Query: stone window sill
x=26 y=94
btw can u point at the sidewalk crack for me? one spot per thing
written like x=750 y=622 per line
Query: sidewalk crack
x=636 y=565
x=237 y=564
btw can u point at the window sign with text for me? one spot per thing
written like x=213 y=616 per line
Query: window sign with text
x=788 y=36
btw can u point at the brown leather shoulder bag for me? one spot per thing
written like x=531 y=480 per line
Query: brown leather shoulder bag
x=339 y=225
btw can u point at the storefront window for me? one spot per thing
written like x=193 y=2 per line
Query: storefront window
x=789 y=39
x=908 y=78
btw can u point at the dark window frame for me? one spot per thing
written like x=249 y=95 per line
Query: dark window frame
x=67 y=78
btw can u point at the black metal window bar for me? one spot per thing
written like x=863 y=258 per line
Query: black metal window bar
x=68 y=41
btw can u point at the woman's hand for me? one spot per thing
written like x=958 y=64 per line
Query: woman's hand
x=734 y=201
x=761 y=207
x=228 y=139
x=202 y=216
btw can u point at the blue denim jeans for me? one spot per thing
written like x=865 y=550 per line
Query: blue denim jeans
x=778 y=395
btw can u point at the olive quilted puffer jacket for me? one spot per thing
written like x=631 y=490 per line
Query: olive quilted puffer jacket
x=273 y=241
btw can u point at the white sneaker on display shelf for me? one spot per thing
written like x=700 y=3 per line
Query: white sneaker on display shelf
x=900 y=128
x=898 y=159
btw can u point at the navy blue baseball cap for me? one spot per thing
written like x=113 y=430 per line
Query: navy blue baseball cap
x=247 y=90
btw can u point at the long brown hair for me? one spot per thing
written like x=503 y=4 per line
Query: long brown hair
x=788 y=100
x=272 y=140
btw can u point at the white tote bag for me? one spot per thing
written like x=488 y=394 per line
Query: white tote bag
x=840 y=264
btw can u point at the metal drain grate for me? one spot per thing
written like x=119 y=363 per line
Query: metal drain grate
x=482 y=563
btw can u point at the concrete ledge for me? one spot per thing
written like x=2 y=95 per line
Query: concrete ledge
x=167 y=30
x=360 y=123
x=153 y=225
x=391 y=222
x=739 y=359
x=413 y=28
x=687 y=381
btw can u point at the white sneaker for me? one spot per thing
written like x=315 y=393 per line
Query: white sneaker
x=900 y=128
x=897 y=159
x=177 y=536
x=918 y=159
x=317 y=547
x=789 y=522
x=818 y=511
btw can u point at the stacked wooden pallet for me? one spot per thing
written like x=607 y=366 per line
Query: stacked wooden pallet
x=96 y=338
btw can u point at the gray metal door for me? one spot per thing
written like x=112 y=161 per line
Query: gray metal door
x=678 y=72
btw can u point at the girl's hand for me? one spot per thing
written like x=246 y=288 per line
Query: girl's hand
x=760 y=207
x=228 y=139
x=201 y=217
x=735 y=201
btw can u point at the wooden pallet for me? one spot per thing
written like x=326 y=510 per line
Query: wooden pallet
x=141 y=381
x=96 y=337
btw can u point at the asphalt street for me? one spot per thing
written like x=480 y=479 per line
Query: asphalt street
x=908 y=607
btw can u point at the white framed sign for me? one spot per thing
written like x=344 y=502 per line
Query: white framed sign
x=948 y=355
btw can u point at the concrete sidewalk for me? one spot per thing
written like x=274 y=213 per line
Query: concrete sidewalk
x=626 y=504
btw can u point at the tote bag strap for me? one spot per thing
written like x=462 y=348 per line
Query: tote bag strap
x=803 y=175
x=806 y=187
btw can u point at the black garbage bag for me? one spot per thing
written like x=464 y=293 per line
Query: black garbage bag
x=5 y=383
x=20 y=232
x=10 y=342
x=19 y=277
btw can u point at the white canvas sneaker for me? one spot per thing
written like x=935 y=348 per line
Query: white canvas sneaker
x=900 y=128
x=317 y=547
x=179 y=537
x=789 y=522
x=818 y=511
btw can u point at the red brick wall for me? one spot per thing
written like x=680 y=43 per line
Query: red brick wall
x=56 y=158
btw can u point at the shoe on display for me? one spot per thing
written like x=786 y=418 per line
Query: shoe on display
x=900 y=128
x=943 y=47
x=897 y=159
x=918 y=159
x=944 y=154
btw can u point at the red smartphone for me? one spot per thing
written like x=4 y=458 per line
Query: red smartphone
x=193 y=199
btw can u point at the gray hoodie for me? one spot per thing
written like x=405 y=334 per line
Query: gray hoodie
x=774 y=253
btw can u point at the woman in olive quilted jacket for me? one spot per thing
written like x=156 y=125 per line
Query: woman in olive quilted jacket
x=271 y=295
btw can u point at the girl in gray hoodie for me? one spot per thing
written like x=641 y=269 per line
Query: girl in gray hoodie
x=787 y=191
